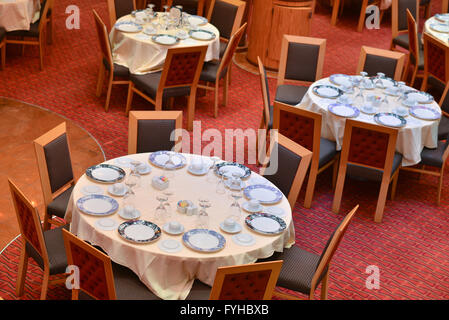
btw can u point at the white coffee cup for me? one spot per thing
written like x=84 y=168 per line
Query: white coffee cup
x=229 y=223
x=254 y=204
x=129 y=209
x=174 y=226
x=197 y=164
x=118 y=187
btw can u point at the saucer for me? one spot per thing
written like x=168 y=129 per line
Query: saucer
x=170 y=245
x=166 y=228
x=247 y=207
x=91 y=189
x=136 y=214
x=277 y=211
x=106 y=224
x=117 y=194
x=244 y=239
x=146 y=171
x=237 y=228
x=367 y=111
x=201 y=172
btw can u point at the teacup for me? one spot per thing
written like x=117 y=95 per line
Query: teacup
x=197 y=165
x=129 y=210
x=401 y=111
x=174 y=226
x=142 y=167
x=229 y=223
x=254 y=204
x=118 y=187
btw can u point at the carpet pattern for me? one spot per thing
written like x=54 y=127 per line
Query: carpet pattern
x=410 y=246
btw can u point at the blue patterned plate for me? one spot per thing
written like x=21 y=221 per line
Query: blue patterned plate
x=105 y=173
x=419 y=96
x=265 y=223
x=438 y=27
x=325 y=91
x=159 y=158
x=340 y=79
x=197 y=20
x=128 y=26
x=97 y=205
x=425 y=113
x=443 y=17
x=344 y=110
x=231 y=167
x=390 y=120
x=165 y=39
x=264 y=193
x=202 y=35
x=139 y=231
x=204 y=240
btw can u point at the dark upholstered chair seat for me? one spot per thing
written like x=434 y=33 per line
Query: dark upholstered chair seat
x=421 y=59
x=424 y=2
x=327 y=151
x=290 y=94
x=223 y=46
x=58 y=206
x=402 y=40
x=149 y=83
x=119 y=70
x=443 y=128
x=209 y=71
x=2 y=33
x=33 y=32
x=55 y=249
x=363 y=173
x=434 y=157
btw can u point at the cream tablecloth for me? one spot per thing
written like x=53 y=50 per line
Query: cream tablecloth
x=18 y=14
x=171 y=275
x=141 y=55
x=443 y=36
x=412 y=138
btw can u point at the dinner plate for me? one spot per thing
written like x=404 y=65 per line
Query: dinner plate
x=248 y=208
x=343 y=110
x=419 y=96
x=244 y=239
x=170 y=245
x=265 y=223
x=230 y=168
x=325 y=91
x=165 y=39
x=390 y=120
x=425 y=113
x=124 y=215
x=97 y=205
x=204 y=240
x=106 y=224
x=438 y=27
x=237 y=228
x=197 y=20
x=202 y=35
x=264 y=193
x=105 y=173
x=159 y=158
x=91 y=189
x=443 y=17
x=340 y=79
x=139 y=231
x=128 y=26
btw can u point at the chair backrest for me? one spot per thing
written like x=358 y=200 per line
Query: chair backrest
x=96 y=277
x=230 y=49
x=226 y=16
x=301 y=59
x=299 y=125
x=445 y=6
x=103 y=38
x=120 y=8
x=293 y=161
x=194 y=7
x=150 y=131
x=374 y=60
x=444 y=100
x=182 y=68
x=330 y=248
x=255 y=281
x=399 y=15
x=54 y=162
x=412 y=37
x=45 y=6
x=29 y=221
x=265 y=92
x=436 y=59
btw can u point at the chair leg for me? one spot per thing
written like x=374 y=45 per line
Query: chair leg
x=424 y=83
x=216 y=95
x=23 y=266
x=45 y=283
x=335 y=171
x=41 y=52
x=325 y=285
x=382 y=199
x=226 y=88
x=335 y=10
x=191 y=110
x=108 y=94
x=339 y=189
x=362 y=16
x=393 y=185
x=311 y=186
x=3 y=56
x=100 y=80
x=129 y=99
x=440 y=185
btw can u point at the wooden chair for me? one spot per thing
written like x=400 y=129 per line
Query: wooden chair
x=425 y=5
x=399 y=27
x=266 y=122
x=436 y=60
x=254 y=281
x=301 y=60
x=416 y=54
x=291 y=162
x=304 y=127
x=213 y=72
x=36 y=32
x=46 y=248
x=337 y=9
x=55 y=171
x=374 y=60
x=303 y=271
x=443 y=125
x=195 y=7
x=179 y=77
x=50 y=21
x=151 y=131
x=120 y=8
x=368 y=153
x=444 y=6
x=3 y=47
x=117 y=74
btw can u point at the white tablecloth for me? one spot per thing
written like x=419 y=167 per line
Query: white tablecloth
x=443 y=36
x=412 y=138
x=141 y=55
x=18 y=14
x=171 y=275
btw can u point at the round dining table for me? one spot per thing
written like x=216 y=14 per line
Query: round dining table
x=18 y=14
x=412 y=137
x=170 y=274
x=141 y=54
x=438 y=27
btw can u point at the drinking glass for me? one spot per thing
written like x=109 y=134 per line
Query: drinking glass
x=211 y=177
x=202 y=220
x=235 y=210
x=221 y=187
x=168 y=193
x=160 y=214
x=169 y=166
x=379 y=83
x=131 y=181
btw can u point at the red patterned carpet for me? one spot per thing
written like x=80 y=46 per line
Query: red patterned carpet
x=410 y=246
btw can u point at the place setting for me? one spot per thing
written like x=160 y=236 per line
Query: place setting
x=167 y=160
x=128 y=26
x=165 y=39
x=202 y=35
x=139 y=231
x=199 y=166
x=344 y=110
x=327 y=91
x=265 y=194
x=229 y=168
x=265 y=223
x=105 y=173
x=97 y=205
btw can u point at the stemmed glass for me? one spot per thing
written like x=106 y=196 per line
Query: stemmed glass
x=169 y=166
x=161 y=214
x=235 y=209
x=131 y=181
x=169 y=196
x=221 y=187
x=202 y=221
x=210 y=174
x=379 y=82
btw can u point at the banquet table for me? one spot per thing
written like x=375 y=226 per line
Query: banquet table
x=171 y=275
x=138 y=52
x=412 y=137
x=18 y=14
x=431 y=26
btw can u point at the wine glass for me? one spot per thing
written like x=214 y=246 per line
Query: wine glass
x=221 y=187
x=160 y=214
x=211 y=177
x=131 y=181
x=379 y=82
x=202 y=221
x=235 y=209
x=169 y=166
x=168 y=193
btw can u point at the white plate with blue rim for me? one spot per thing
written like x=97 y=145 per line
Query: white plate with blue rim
x=390 y=119
x=105 y=173
x=344 y=110
x=202 y=35
x=438 y=27
x=197 y=20
x=418 y=96
x=159 y=158
x=325 y=91
x=443 y=17
x=231 y=168
x=340 y=79
x=204 y=240
x=128 y=26
x=266 y=194
x=97 y=205
x=139 y=231
x=165 y=39
x=425 y=113
x=265 y=223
